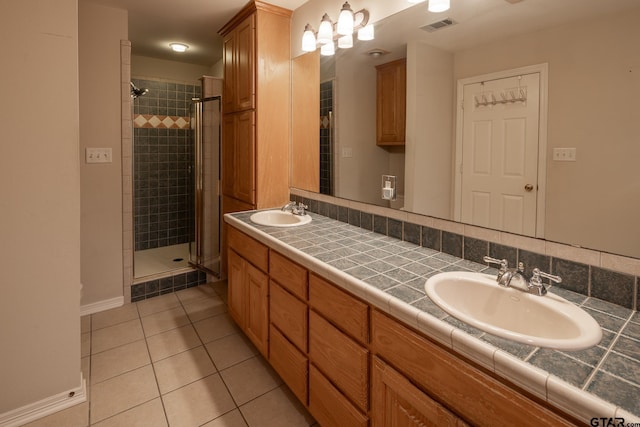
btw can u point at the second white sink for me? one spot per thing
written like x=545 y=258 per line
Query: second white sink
x=542 y=321
x=279 y=218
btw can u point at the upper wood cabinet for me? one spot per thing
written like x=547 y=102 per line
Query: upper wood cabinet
x=391 y=100
x=256 y=107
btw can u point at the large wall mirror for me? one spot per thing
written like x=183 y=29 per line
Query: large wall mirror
x=583 y=102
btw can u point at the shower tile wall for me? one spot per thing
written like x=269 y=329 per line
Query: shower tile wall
x=326 y=106
x=163 y=153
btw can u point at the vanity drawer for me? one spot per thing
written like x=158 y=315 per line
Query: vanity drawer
x=250 y=249
x=343 y=310
x=340 y=358
x=289 y=314
x=468 y=392
x=328 y=406
x=289 y=363
x=289 y=275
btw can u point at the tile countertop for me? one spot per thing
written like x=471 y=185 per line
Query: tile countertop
x=602 y=381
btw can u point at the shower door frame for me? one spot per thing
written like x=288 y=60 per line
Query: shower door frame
x=196 y=257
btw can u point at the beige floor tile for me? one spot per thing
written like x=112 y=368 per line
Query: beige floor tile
x=230 y=350
x=172 y=342
x=198 y=403
x=276 y=408
x=230 y=419
x=119 y=360
x=85 y=324
x=114 y=316
x=150 y=414
x=250 y=379
x=164 y=321
x=122 y=393
x=182 y=369
x=115 y=336
x=216 y=327
x=157 y=304
x=195 y=293
x=85 y=344
x=76 y=416
x=205 y=307
x=221 y=288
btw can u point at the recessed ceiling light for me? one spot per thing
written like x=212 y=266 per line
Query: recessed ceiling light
x=179 y=47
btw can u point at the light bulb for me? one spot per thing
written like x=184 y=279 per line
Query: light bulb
x=325 y=32
x=345 y=20
x=345 y=42
x=438 y=6
x=178 y=47
x=328 y=49
x=366 y=33
x=308 y=39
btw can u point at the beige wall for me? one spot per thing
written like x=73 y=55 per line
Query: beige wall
x=161 y=69
x=428 y=161
x=40 y=204
x=593 y=94
x=100 y=31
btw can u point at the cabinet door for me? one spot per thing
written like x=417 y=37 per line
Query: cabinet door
x=391 y=102
x=257 y=313
x=396 y=402
x=229 y=48
x=245 y=64
x=236 y=288
x=245 y=165
x=238 y=156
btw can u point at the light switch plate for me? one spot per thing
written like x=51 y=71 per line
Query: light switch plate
x=98 y=155
x=564 y=154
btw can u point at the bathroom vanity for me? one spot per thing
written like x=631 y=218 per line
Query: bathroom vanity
x=355 y=356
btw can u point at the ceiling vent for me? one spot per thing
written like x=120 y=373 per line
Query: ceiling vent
x=435 y=26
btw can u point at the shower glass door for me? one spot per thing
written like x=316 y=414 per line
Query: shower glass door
x=204 y=245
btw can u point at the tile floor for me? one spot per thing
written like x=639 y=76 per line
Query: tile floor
x=176 y=360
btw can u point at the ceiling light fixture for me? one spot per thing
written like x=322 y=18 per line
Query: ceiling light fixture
x=438 y=6
x=178 y=47
x=348 y=23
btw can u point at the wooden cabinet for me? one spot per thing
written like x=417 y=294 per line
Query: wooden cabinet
x=248 y=285
x=256 y=108
x=397 y=402
x=352 y=365
x=391 y=100
x=458 y=386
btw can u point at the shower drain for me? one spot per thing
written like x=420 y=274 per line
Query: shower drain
x=178 y=259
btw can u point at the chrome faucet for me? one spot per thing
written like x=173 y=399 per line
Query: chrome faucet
x=295 y=209
x=515 y=277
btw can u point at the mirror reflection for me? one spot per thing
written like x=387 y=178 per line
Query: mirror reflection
x=519 y=116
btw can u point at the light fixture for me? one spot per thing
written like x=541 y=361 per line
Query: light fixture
x=328 y=49
x=342 y=32
x=415 y=1
x=178 y=47
x=366 y=32
x=308 y=39
x=345 y=42
x=345 y=20
x=325 y=32
x=437 y=6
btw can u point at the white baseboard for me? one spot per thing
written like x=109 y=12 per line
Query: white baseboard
x=44 y=407
x=99 y=306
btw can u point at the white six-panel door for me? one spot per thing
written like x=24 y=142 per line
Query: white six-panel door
x=499 y=171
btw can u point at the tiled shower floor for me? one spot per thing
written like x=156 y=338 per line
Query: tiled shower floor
x=176 y=360
x=149 y=262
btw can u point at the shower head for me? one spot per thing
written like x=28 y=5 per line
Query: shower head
x=136 y=92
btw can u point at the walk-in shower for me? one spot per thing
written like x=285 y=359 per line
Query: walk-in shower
x=175 y=175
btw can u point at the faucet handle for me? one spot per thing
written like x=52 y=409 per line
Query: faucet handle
x=537 y=274
x=501 y=262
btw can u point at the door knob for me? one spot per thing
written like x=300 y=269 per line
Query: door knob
x=528 y=187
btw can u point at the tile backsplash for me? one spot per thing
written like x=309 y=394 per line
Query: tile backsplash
x=604 y=276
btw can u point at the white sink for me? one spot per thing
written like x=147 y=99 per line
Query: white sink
x=542 y=321
x=279 y=218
